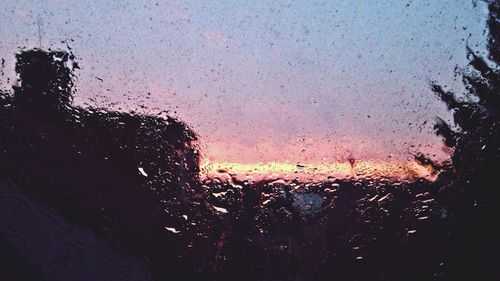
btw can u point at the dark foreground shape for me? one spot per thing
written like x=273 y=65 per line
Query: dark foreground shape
x=473 y=191
x=89 y=194
x=124 y=176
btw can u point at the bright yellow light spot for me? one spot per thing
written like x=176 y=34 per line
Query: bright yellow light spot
x=397 y=170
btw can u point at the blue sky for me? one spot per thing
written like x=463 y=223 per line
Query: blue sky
x=264 y=80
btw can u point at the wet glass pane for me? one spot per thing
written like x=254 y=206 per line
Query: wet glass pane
x=249 y=140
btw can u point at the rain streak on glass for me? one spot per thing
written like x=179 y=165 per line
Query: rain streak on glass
x=248 y=140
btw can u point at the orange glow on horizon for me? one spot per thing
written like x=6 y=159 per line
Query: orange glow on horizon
x=317 y=172
x=320 y=161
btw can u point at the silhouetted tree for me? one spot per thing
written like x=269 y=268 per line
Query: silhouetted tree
x=473 y=192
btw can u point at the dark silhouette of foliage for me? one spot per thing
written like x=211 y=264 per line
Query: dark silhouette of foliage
x=125 y=176
x=472 y=188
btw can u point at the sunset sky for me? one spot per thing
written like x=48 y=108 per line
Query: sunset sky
x=261 y=81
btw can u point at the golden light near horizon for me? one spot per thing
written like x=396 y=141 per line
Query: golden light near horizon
x=324 y=162
x=317 y=172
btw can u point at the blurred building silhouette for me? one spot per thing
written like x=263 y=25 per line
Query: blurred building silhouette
x=125 y=176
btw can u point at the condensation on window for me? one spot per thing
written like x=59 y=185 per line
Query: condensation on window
x=195 y=140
